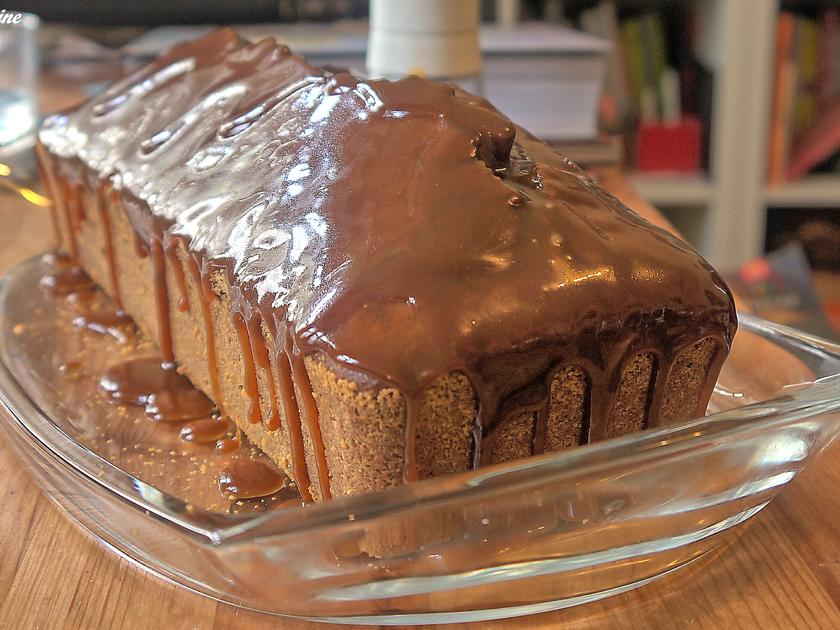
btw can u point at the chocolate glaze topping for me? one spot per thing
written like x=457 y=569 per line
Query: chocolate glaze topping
x=404 y=229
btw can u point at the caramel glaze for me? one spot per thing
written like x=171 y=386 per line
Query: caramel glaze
x=102 y=198
x=71 y=370
x=174 y=404
x=155 y=385
x=180 y=277
x=205 y=431
x=403 y=229
x=80 y=297
x=248 y=479
x=259 y=349
x=161 y=299
x=230 y=444
x=202 y=280
x=105 y=321
x=45 y=174
x=64 y=277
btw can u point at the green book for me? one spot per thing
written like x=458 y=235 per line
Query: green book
x=631 y=40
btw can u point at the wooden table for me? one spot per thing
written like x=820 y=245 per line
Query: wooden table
x=782 y=572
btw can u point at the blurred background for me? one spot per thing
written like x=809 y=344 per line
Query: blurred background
x=724 y=114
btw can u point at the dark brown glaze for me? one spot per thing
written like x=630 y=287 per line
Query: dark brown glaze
x=405 y=229
x=248 y=479
x=167 y=395
x=65 y=362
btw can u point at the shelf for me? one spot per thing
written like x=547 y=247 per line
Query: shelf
x=673 y=190
x=812 y=191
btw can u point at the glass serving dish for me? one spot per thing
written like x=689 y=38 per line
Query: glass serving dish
x=523 y=537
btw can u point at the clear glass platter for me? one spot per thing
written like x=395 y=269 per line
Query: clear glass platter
x=513 y=539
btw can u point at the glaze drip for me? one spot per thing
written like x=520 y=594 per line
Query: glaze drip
x=205 y=431
x=66 y=277
x=166 y=395
x=247 y=479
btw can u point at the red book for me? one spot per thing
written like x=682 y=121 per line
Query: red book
x=669 y=147
x=818 y=143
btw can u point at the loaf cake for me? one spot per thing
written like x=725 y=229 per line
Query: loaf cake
x=377 y=281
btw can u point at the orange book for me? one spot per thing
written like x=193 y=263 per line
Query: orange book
x=783 y=83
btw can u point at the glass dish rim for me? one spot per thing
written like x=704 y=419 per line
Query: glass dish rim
x=217 y=530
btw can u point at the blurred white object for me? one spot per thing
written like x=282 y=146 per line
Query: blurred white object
x=546 y=78
x=507 y=12
x=18 y=75
x=670 y=89
x=437 y=39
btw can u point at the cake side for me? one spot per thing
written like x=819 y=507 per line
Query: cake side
x=362 y=423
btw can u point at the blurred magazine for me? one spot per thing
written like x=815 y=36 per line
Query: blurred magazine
x=778 y=287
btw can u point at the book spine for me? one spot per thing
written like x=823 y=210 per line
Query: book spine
x=631 y=39
x=807 y=55
x=829 y=51
x=784 y=72
x=602 y=21
x=818 y=143
x=653 y=54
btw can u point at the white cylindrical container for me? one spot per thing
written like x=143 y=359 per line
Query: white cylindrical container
x=437 y=39
x=18 y=75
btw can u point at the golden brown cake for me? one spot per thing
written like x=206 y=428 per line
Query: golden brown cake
x=377 y=281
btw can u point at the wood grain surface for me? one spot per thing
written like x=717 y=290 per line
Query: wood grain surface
x=783 y=571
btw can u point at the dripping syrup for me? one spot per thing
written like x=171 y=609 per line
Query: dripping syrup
x=248 y=479
x=66 y=278
x=112 y=322
x=166 y=395
x=205 y=431
x=229 y=444
x=70 y=370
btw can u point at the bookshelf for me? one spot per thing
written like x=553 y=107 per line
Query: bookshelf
x=812 y=191
x=729 y=203
x=724 y=213
x=674 y=191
